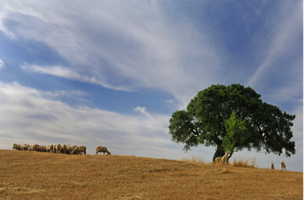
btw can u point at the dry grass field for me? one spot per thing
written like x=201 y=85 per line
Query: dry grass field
x=36 y=175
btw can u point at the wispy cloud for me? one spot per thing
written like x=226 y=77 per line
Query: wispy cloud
x=65 y=72
x=284 y=35
x=2 y=64
x=120 y=47
x=62 y=93
x=3 y=28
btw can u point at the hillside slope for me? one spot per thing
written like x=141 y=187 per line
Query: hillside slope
x=36 y=175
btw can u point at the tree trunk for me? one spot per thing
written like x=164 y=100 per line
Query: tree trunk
x=219 y=152
x=230 y=155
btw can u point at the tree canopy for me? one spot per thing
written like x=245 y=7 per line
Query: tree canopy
x=266 y=127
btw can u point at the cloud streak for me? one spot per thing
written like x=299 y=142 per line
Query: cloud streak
x=2 y=66
x=282 y=39
x=65 y=72
x=114 y=47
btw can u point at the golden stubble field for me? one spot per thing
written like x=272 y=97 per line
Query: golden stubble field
x=37 y=175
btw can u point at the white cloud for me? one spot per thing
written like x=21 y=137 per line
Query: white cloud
x=143 y=111
x=3 y=28
x=31 y=118
x=120 y=45
x=2 y=64
x=62 y=93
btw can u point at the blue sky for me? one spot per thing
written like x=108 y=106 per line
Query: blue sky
x=112 y=73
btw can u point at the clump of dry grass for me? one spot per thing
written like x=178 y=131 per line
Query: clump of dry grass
x=242 y=162
x=197 y=160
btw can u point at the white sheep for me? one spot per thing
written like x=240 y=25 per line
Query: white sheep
x=31 y=148
x=79 y=150
x=36 y=147
x=102 y=150
x=43 y=148
x=17 y=146
x=58 y=148
x=272 y=166
x=283 y=166
x=70 y=148
x=64 y=148
x=218 y=160
x=223 y=159
x=25 y=147
x=50 y=148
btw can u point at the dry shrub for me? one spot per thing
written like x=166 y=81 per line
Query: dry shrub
x=194 y=159
x=242 y=162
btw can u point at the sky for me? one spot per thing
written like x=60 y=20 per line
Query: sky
x=111 y=73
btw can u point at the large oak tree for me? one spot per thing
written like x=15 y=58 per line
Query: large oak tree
x=267 y=128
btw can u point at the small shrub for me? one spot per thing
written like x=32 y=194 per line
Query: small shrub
x=194 y=159
x=242 y=162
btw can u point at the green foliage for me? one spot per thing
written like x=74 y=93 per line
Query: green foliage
x=235 y=132
x=203 y=122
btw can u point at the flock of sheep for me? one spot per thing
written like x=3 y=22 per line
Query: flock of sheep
x=58 y=148
x=224 y=160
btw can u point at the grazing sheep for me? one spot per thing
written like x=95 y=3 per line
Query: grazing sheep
x=272 y=166
x=225 y=158
x=53 y=150
x=102 y=149
x=25 y=147
x=283 y=166
x=36 y=147
x=70 y=148
x=16 y=146
x=79 y=150
x=49 y=148
x=43 y=148
x=64 y=148
x=218 y=160
x=58 y=148
x=31 y=148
